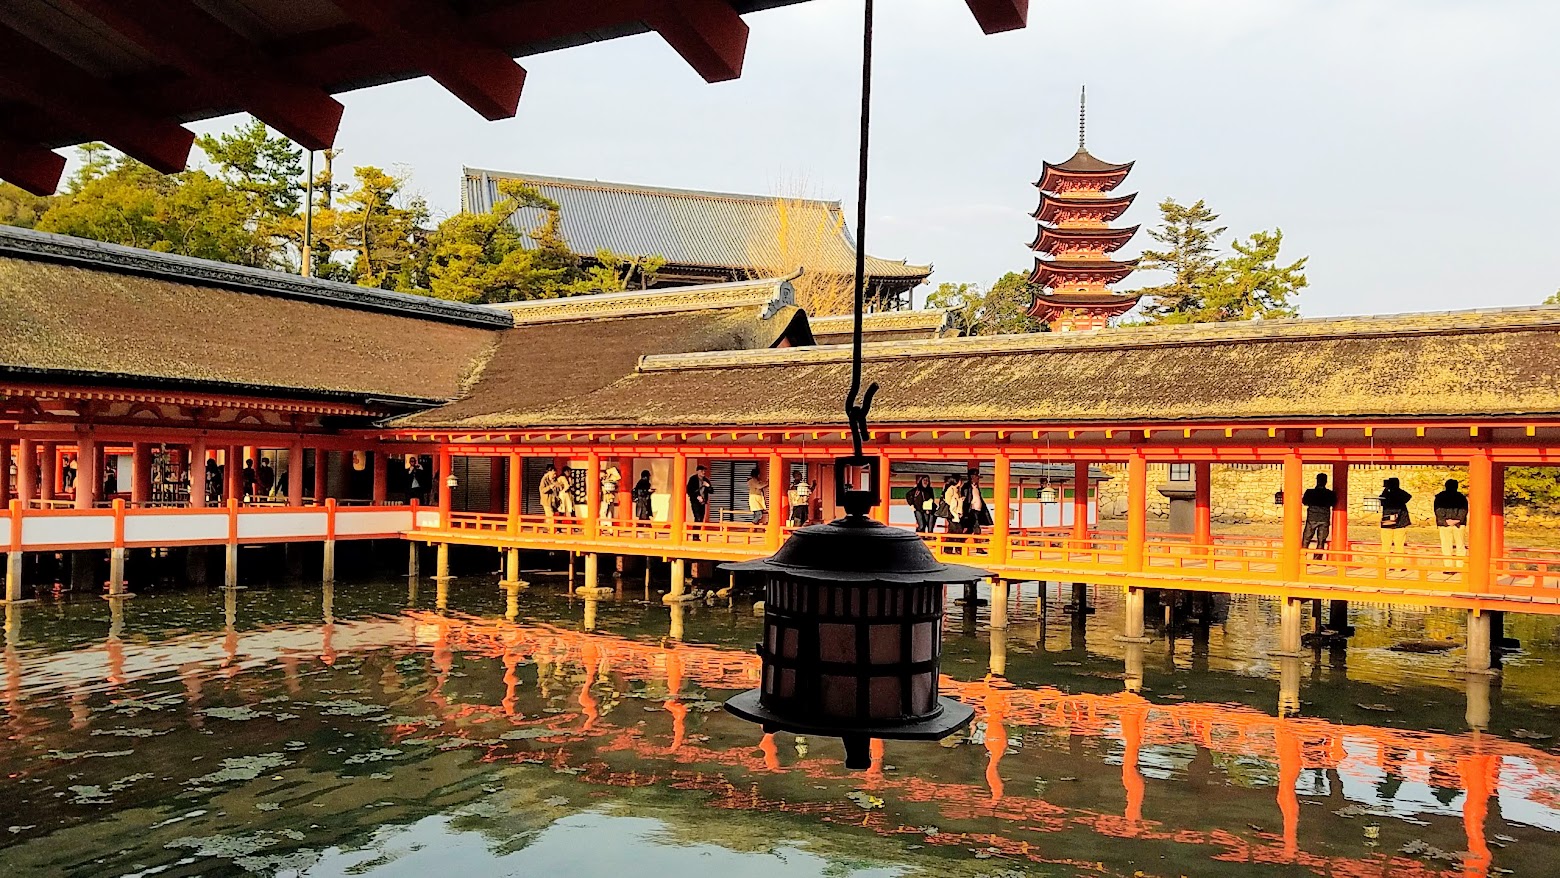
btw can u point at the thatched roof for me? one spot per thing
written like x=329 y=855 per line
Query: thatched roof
x=1478 y=363
x=562 y=351
x=884 y=326
x=85 y=312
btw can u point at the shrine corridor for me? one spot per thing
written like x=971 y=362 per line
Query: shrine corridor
x=397 y=726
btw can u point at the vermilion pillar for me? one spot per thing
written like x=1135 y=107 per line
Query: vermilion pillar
x=516 y=499
x=592 y=495
x=1202 y=513
x=779 y=512
x=197 y=473
x=1137 y=509
x=1294 y=516
x=140 y=473
x=446 y=496
x=1339 y=538
x=295 y=475
x=380 y=461
x=5 y=472
x=1480 y=482
x=1001 y=497
x=1497 y=512
x=321 y=474
x=88 y=476
x=48 y=470
x=679 y=498
x=1080 y=524
x=233 y=473
x=26 y=471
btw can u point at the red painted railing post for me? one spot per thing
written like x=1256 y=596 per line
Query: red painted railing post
x=119 y=523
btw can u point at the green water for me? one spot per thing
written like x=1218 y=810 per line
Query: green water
x=362 y=730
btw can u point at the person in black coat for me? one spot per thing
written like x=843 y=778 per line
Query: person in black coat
x=1394 y=522
x=1451 y=520
x=1319 y=503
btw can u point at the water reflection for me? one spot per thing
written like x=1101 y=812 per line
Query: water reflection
x=335 y=731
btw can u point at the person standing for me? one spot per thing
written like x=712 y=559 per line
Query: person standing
x=699 y=491
x=417 y=482
x=976 y=513
x=68 y=474
x=758 y=497
x=213 y=481
x=951 y=509
x=110 y=480
x=265 y=477
x=643 y=491
x=611 y=477
x=921 y=500
x=1394 y=523
x=249 y=478
x=1451 y=521
x=547 y=492
x=565 y=488
x=1319 y=503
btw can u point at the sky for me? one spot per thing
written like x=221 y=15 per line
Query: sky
x=1407 y=147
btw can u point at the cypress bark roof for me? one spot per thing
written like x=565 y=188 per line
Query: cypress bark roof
x=1489 y=363
x=80 y=311
x=883 y=326
x=687 y=227
x=561 y=351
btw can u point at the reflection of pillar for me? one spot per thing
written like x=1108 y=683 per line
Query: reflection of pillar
x=996 y=740
x=999 y=638
x=1133 y=720
x=770 y=751
x=512 y=601
x=675 y=632
x=441 y=593
x=589 y=623
x=115 y=644
x=1289 y=763
x=1289 y=686
x=674 y=674
x=1477 y=687
x=230 y=630
x=511 y=680
x=1137 y=509
x=1479 y=775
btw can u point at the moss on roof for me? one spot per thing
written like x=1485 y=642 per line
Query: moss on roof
x=74 y=321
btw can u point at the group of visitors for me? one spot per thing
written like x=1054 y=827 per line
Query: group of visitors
x=960 y=504
x=1450 y=510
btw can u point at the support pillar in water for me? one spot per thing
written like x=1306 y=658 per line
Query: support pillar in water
x=1080 y=601
x=328 y=571
x=1290 y=613
x=592 y=586
x=1289 y=686
x=13 y=578
x=1481 y=643
x=679 y=593
x=511 y=568
x=230 y=567
x=413 y=561
x=116 y=572
x=999 y=604
x=1338 y=619
x=999 y=640
x=441 y=571
x=1132 y=631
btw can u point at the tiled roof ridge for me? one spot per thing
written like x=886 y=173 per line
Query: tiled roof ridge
x=772 y=293
x=85 y=253
x=1473 y=321
x=610 y=186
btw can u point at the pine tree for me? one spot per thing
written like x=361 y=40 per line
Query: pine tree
x=1190 y=254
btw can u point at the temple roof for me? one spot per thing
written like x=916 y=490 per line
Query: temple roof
x=1106 y=208
x=1102 y=175
x=1478 y=363
x=1109 y=271
x=691 y=227
x=1109 y=239
x=883 y=326
x=85 y=312
x=562 y=350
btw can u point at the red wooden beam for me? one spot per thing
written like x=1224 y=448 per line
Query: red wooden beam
x=996 y=16
x=31 y=167
x=450 y=48
x=62 y=91
x=202 y=47
x=709 y=34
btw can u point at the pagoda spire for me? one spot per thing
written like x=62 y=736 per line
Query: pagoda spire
x=1074 y=271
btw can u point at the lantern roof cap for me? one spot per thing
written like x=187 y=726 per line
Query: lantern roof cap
x=859 y=550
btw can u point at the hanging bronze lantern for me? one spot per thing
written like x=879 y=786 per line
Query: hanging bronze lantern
x=853 y=629
x=1048 y=494
x=1278 y=497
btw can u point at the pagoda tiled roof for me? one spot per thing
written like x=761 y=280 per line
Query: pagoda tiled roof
x=1109 y=270
x=1109 y=208
x=1084 y=162
x=688 y=227
x=1111 y=239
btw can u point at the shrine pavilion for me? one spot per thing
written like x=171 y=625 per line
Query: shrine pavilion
x=704 y=237
x=1074 y=272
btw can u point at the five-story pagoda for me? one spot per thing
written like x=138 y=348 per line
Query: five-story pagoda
x=1074 y=271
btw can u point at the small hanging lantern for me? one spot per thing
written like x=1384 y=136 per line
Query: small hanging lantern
x=359 y=461
x=452 y=483
x=853 y=629
x=1048 y=494
x=1278 y=497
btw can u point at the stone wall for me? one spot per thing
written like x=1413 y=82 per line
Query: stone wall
x=1243 y=493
